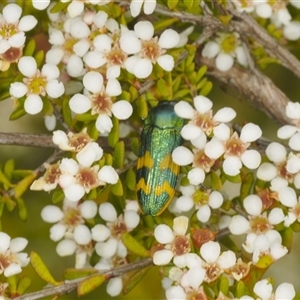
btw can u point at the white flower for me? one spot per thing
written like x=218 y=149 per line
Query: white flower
x=10 y=254
x=226 y=48
x=108 y=236
x=175 y=242
x=148 y=49
x=136 y=5
x=235 y=150
x=100 y=100
x=13 y=28
x=36 y=84
x=211 y=253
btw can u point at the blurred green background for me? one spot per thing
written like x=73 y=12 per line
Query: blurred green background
x=37 y=231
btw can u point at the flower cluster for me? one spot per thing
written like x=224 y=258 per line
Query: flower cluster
x=74 y=235
x=11 y=258
x=12 y=34
x=76 y=177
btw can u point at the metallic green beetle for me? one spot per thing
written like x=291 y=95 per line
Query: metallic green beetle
x=157 y=174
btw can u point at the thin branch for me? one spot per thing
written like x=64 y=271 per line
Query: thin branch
x=69 y=286
x=256 y=88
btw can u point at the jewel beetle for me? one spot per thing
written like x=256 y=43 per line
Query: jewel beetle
x=157 y=174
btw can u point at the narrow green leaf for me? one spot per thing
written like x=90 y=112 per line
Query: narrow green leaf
x=30 y=48
x=17 y=113
x=66 y=111
x=117 y=189
x=287 y=238
x=142 y=108
x=246 y=185
x=113 y=136
x=134 y=279
x=201 y=72
x=8 y=168
x=90 y=284
x=240 y=289
x=189 y=3
x=182 y=93
x=119 y=154
x=23 y=285
x=133 y=245
x=23 y=213
x=41 y=268
x=1 y=205
x=130 y=179
x=5 y=180
x=164 y=89
x=223 y=284
x=216 y=182
x=10 y=204
x=172 y=3
x=164 y=24
x=206 y=88
x=58 y=196
x=58 y=7
x=39 y=57
x=135 y=145
x=18 y=174
x=72 y=273
x=23 y=185
x=12 y=281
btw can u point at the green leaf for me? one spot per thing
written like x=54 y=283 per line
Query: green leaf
x=130 y=179
x=47 y=107
x=142 y=108
x=23 y=185
x=17 y=113
x=182 y=93
x=23 y=285
x=134 y=279
x=30 y=48
x=58 y=7
x=135 y=145
x=172 y=3
x=90 y=284
x=66 y=111
x=113 y=136
x=119 y=154
x=247 y=185
x=164 y=24
x=201 y=72
x=223 y=285
x=10 y=204
x=240 y=289
x=133 y=245
x=287 y=238
x=216 y=182
x=39 y=57
x=189 y=3
x=72 y=273
x=234 y=179
x=58 y=196
x=117 y=189
x=164 y=89
x=23 y=213
x=41 y=268
x=206 y=88
x=9 y=168
x=5 y=181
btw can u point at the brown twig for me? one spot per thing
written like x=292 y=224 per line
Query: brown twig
x=69 y=286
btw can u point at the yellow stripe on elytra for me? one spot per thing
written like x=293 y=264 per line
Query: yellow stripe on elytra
x=167 y=163
x=164 y=188
x=145 y=161
x=141 y=185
